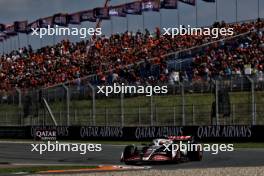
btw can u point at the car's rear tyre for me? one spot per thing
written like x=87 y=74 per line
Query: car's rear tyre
x=129 y=151
x=196 y=155
x=177 y=157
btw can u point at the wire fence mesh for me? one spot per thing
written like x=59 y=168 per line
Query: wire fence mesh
x=239 y=100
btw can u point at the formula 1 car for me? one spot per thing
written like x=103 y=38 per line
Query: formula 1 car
x=172 y=149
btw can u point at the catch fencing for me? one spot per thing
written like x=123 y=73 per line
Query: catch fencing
x=237 y=101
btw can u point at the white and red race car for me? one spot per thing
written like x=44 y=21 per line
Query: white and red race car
x=171 y=149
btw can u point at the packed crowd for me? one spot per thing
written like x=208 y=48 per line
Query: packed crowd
x=244 y=56
x=110 y=58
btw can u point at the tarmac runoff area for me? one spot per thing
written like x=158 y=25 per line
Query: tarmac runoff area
x=248 y=162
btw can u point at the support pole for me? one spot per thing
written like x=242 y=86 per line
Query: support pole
x=196 y=14
x=93 y=103
x=143 y=21
x=216 y=10
x=183 y=104
x=253 y=112
x=258 y=9
x=151 y=111
x=236 y=11
x=67 y=103
x=50 y=112
x=216 y=103
x=178 y=15
x=19 y=97
x=122 y=109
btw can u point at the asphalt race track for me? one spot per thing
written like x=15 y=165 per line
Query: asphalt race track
x=19 y=153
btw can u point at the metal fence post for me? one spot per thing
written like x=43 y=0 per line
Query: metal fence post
x=253 y=100
x=216 y=103
x=151 y=110
x=122 y=108
x=174 y=115
x=183 y=104
x=75 y=116
x=106 y=116
x=19 y=97
x=233 y=114
x=93 y=104
x=60 y=121
x=68 y=103
x=139 y=116
x=193 y=115
x=156 y=116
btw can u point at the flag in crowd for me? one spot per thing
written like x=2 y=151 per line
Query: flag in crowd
x=88 y=15
x=3 y=37
x=133 y=8
x=209 y=0
x=117 y=11
x=101 y=13
x=150 y=5
x=190 y=2
x=10 y=30
x=169 y=4
x=45 y=22
x=34 y=25
x=21 y=26
x=74 y=18
x=60 y=19
x=2 y=27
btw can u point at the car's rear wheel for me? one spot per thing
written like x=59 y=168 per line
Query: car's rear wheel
x=177 y=157
x=196 y=155
x=129 y=152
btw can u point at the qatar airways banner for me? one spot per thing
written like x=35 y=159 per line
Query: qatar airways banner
x=229 y=133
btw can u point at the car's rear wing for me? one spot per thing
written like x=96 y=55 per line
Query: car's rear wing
x=180 y=138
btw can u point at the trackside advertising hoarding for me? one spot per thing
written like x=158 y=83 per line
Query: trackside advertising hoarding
x=235 y=133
